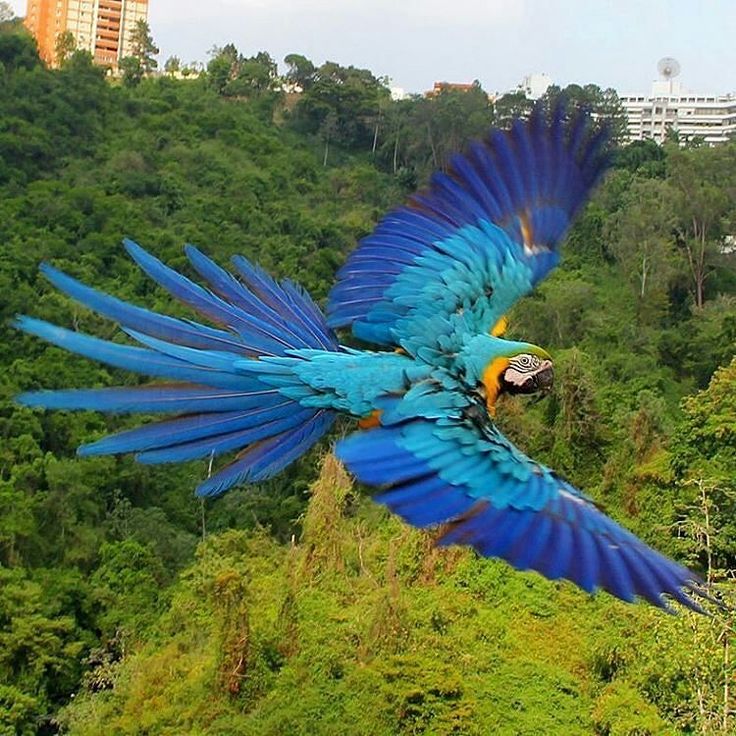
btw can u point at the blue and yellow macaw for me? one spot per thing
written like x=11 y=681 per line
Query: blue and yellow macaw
x=431 y=285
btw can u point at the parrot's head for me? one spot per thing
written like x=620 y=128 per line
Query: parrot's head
x=527 y=373
x=498 y=366
x=515 y=368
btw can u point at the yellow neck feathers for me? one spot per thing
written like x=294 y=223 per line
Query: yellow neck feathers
x=492 y=382
x=499 y=329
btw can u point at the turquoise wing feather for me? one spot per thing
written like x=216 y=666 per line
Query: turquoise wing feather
x=481 y=237
x=458 y=469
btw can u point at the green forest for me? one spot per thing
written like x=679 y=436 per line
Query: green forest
x=298 y=606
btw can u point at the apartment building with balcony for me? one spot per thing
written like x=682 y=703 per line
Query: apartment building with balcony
x=102 y=27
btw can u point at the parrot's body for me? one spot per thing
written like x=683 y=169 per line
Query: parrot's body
x=432 y=285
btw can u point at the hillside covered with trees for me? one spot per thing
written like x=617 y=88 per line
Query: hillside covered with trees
x=298 y=606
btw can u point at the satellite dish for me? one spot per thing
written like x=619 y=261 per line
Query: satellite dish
x=668 y=67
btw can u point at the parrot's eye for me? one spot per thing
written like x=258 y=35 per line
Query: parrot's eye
x=525 y=362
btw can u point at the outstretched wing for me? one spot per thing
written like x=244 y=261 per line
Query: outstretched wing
x=459 y=255
x=461 y=471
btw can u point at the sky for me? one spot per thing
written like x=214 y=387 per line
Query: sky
x=612 y=43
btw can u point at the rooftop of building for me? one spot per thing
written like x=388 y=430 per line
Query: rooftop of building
x=669 y=88
x=447 y=86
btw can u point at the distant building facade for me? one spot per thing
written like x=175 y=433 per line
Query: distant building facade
x=671 y=107
x=449 y=87
x=535 y=85
x=102 y=27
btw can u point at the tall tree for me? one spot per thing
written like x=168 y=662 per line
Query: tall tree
x=641 y=236
x=398 y=130
x=705 y=182
x=254 y=76
x=510 y=106
x=142 y=46
x=132 y=70
x=456 y=116
x=301 y=71
x=172 y=65
x=64 y=47
x=645 y=158
x=421 y=133
x=604 y=103
x=353 y=97
x=18 y=50
x=222 y=67
x=328 y=131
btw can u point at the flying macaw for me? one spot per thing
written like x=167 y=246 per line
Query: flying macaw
x=431 y=286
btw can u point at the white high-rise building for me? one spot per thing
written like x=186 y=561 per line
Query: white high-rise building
x=535 y=85
x=670 y=106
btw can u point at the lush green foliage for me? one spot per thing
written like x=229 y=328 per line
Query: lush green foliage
x=323 y=611
x=365 y=623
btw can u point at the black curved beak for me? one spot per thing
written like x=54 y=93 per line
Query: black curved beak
x=545 y=376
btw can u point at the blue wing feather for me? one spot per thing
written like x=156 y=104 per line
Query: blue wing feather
x=425 y=471
x=264 y=459
x=524 y=151
x=501 y=212
x=484 y=160
x=526 y=550
x=584 y=562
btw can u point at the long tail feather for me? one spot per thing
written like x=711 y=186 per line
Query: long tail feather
x=170 y=398
x=218 y=444
x=264 y=459
x=261 y=337
x=157 y=325
x=186 y=429
x=138 y=360
x=230 y=288
x=218 y=407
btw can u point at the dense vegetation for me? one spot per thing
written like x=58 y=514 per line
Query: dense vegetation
x=298 y=606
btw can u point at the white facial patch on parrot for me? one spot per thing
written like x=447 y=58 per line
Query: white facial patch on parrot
x=520 y=368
